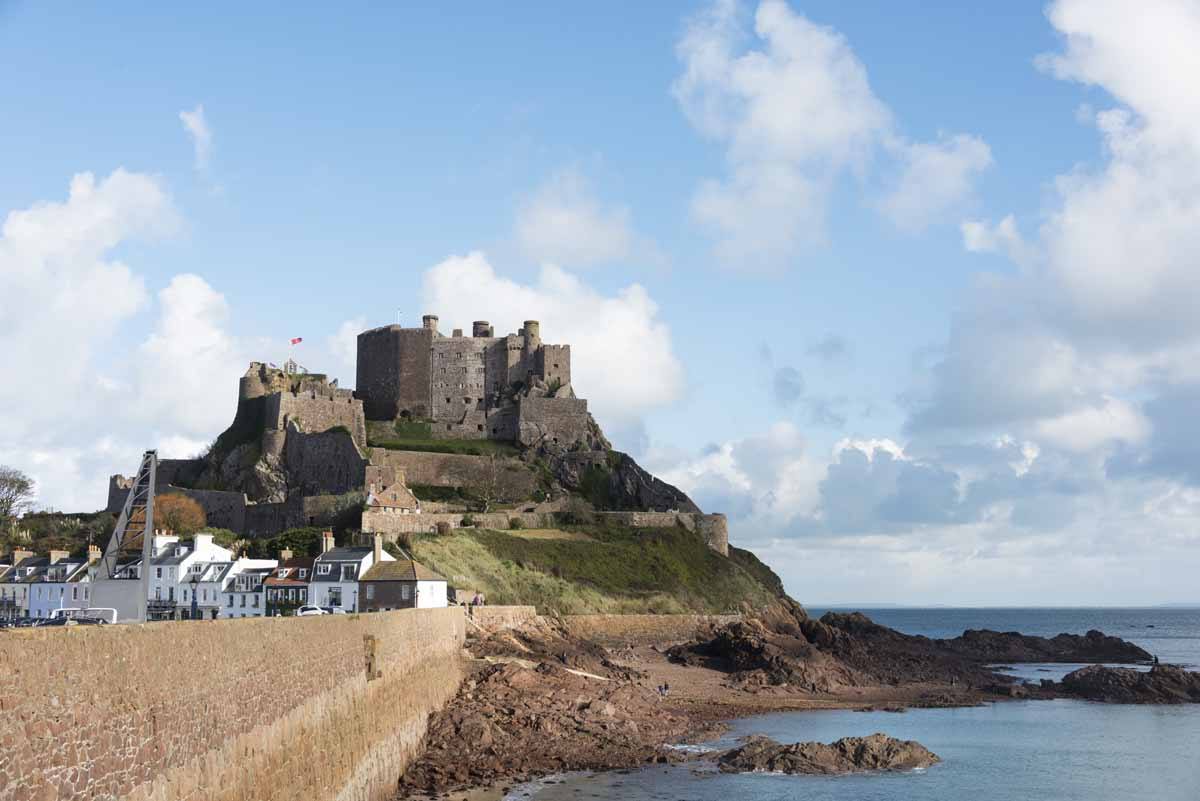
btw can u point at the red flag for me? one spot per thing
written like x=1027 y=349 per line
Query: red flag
x=297 y=340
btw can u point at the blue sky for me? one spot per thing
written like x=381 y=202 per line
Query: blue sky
x=789 y=223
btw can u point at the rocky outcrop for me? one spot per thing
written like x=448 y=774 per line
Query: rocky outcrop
x=994 y=647
x=1162 y=684
x=514 y=723
x=757 y=656
x=784 y=646
x=847 y=755
x=612 y=480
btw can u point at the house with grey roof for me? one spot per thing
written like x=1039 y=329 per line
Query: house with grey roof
x=337 y=570
x=401 y=584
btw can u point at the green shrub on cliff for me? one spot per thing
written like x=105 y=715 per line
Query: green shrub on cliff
x=617 y=571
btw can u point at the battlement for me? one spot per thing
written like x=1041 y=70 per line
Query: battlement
x=262 y=379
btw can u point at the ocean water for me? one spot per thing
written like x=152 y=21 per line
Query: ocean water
x=1059 y=750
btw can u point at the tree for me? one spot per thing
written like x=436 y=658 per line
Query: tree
x=178 y=514
x=16 y=493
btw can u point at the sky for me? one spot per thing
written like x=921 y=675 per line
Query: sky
x=907 y=292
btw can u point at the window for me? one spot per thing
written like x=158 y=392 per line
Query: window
x=230 y=603
x=158 y=593
x=370 y=592
x=243 y=603
x=447 y=400
x=348 y=572
x=323 y=570
x=479 y=427
x=74 y=593
x=185 y=596
x=158 y=572
x=404 y=592
x=254 y=601
x=303 y=573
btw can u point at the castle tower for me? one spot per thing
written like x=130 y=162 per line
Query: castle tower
x=480 y=328
x=430 y=322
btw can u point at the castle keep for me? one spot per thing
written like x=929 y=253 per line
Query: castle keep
x=512 y=387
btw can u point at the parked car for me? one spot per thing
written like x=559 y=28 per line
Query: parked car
x=53 y=621
x=24 y=622
x=334 y=610
x=306 y=611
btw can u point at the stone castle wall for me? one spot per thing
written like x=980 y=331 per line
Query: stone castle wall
x=393 y=371
x=390 y=524
x=225 y=710
x=316 y=411
x=326 y=463
x=552 y=421
x=506 y=479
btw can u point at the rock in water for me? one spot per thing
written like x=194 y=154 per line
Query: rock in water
x=1162 y=684
x=847 y=755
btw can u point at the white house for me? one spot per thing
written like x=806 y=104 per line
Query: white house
x=14 y=590
x=171 y=571
x=401 y=584
x=200 y=597
x=337 y=570
x=61 y=584
x=243 y=594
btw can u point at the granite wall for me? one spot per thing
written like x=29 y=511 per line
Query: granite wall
x=224 y=710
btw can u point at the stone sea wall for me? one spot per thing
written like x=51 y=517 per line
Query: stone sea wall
x=229 y=710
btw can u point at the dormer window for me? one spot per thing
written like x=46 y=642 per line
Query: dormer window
x=303 y=573
x=323 y=570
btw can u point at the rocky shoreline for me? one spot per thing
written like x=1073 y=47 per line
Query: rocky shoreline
x=541 y=701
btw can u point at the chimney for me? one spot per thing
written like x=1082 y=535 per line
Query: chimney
x=378 y=543
x=58 y=556
x=94 y=554
x=480 y=328
x=457 y=333
x=430 y=321
x=284 y=555
x=327 y=542
x=20 y=554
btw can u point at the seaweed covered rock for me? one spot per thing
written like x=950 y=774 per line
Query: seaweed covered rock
x=1162 y=684
x=847 y=755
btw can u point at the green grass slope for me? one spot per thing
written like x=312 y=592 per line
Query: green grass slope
x=615 y=570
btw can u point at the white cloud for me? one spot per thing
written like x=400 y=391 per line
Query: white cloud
x=795 y=111
x=196 y=124
x=622 y=359
x=1089 y=427
x=87 y=397
x=936 y=177
x=343 y=348
x=1102 y=311
x=563 y=223
x=189 y=362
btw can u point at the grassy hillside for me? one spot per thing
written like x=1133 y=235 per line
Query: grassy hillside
x=602 y=569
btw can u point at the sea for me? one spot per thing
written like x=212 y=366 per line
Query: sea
x=1061 y=750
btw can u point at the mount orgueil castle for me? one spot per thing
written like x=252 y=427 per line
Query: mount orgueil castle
x=459 y=430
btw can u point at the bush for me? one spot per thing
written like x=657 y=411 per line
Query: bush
x=178 y=514
x=515 y=523
x=468 y=521
x=443 y=529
